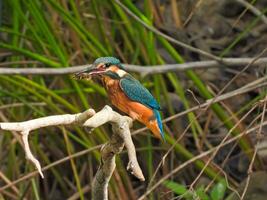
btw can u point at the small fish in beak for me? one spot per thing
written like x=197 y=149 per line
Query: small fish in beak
x=84 y=74
x=88 y=73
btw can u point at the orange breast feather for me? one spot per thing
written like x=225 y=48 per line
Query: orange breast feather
x=134 y=109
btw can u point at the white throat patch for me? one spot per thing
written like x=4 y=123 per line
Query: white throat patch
x=121 y=73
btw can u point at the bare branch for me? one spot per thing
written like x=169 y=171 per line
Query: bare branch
x=121 y=126
x=253 y=9
x=144 y=70
x=24 y=129
x=121 y=136
x=55 y=120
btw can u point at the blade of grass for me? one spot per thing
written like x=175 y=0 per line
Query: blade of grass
x=73 y=165
x=30 y=54
x=81 y=30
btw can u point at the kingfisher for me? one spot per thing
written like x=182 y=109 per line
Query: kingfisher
x=126 y=93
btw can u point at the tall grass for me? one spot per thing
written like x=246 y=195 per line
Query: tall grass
x=68 y=33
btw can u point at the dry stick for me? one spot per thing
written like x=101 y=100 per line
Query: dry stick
x=24 y=129
x=169 y=150
x=6 y=180
x=5 y=54
x=220 y=145
x=22 y=62
x=108 y=115
x=144 y=70
x=222 y=165
x=253 y=9
x=10 y=195
x=14 y=133
x=259 y=137
x=247 y=88
x=251 y=130
x=238 y=19
x=238 y=74
x=13 y=105
x=215 y=152
x=121 y=136
x=196 y=6
x=107 y=166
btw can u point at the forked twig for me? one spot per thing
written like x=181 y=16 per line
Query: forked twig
x=121 y=136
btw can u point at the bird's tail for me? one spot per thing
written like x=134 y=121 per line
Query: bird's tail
x=159 y=123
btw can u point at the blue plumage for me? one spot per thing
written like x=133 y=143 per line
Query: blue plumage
x=109 y=60
x=157 y=114
x=137 y=92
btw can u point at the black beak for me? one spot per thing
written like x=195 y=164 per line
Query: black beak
x=83 y=74
x=88 y=72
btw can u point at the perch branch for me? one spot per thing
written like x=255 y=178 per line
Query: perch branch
x=24 y=128
x=121 y=126
x=121 y=136
x=144 y=70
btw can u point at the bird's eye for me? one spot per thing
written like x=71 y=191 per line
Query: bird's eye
x=107 y=65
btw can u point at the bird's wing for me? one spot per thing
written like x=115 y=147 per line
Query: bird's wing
x=135 y=91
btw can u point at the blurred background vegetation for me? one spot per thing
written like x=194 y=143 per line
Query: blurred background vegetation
x=64 y=33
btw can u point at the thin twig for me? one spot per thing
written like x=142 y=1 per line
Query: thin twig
x=13 y=105
x=259 y=138
x=220 y=145
x=254 y=60
x=144 y=70
x=22 y=62
x=195 y=7
x=6 y=180
x=24 y=128
x=254 y=10
x=204 y=154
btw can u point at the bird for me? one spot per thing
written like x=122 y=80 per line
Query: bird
x=126 y=93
